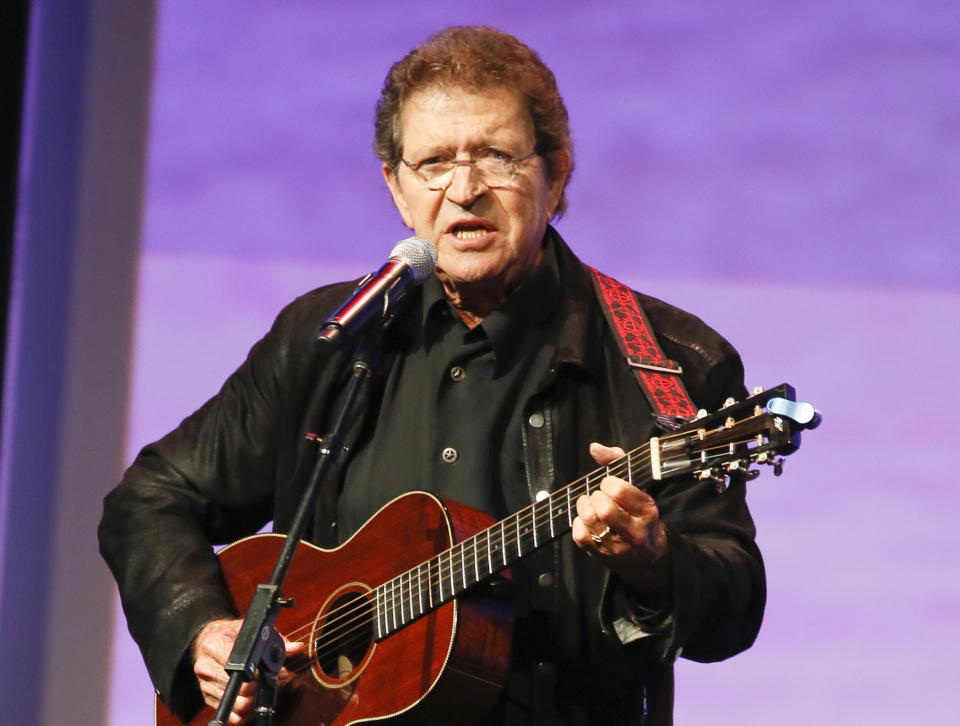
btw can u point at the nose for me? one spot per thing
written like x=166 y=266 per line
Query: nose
x=466 y=186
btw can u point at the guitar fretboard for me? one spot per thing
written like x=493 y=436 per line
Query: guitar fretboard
x=421 y=589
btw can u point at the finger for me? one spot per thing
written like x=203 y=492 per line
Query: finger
x=626 y=497
x=608 y=514
x=294 y=647
x=603 y=455
x=591 y=542
x=596 y=534
x=585 y=525
x=582 y=535
x=242 y=710
x=588 y=515
x=629 y=511
x=242 y=705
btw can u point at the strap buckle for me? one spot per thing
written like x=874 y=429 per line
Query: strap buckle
x=635 y=362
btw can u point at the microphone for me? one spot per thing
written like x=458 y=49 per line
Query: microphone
x=412 y=261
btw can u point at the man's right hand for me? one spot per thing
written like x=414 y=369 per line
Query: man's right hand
x=211 y=649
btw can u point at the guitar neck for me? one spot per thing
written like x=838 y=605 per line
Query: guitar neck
x=429 y=585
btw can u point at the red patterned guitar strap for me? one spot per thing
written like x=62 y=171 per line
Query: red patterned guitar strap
x=658 y=376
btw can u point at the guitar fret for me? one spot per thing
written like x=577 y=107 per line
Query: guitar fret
x=399 y=581
x=393 y=605
x=453 y=575
x=387 y=603
x=533 y=515
x=440 y=576
x=516 y=518
x=377 y=610
x=388 y=596
x=420 y=588
x=489 y=552
x=383 y=610
x=463 y=566
x=550 y=513
x=569 y=510
x=503 y=542
x=476 y=561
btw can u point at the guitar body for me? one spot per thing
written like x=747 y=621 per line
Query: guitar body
x=441 y=667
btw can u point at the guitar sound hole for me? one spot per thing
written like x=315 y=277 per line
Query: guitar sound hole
x=345 y=635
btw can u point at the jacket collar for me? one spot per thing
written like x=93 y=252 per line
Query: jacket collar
x=581 y=336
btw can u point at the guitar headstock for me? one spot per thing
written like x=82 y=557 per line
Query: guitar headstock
x=759 y=430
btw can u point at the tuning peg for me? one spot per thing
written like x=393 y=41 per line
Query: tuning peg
x=720 y=481
x=801 y=413
x=777 y=466
x=751 y=474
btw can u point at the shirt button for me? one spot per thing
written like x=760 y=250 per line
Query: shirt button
x=457 y=373
x=536 y=420
x=449 y=455
x=545 y=580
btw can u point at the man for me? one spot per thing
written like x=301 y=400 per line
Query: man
x=498 y=379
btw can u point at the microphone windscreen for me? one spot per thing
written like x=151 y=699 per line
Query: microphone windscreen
x=418 y=252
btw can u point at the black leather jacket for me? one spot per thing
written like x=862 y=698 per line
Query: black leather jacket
x=242 y=460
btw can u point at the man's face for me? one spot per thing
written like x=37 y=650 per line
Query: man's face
x=488 y=239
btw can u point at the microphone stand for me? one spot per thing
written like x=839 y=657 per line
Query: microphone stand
x=258 y=644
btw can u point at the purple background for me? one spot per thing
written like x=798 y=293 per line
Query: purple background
x=790 y=172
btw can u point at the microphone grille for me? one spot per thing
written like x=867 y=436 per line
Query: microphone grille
x=418 y=252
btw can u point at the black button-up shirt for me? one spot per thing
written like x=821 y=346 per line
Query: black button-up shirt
x=449 y=421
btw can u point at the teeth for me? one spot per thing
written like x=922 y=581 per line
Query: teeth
x=471 y=233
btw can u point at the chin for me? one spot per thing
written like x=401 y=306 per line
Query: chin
x=466 y=271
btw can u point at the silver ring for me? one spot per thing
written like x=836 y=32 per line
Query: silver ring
x=598 y=538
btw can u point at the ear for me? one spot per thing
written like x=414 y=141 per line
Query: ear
x=560 y=163
x=393 y=184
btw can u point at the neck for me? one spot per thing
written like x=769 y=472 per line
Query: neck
x=475 y=301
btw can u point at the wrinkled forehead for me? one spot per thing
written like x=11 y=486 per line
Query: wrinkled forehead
x=443 y=114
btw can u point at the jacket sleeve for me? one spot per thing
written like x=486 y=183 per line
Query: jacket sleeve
x=208 y=482
x=719 y=585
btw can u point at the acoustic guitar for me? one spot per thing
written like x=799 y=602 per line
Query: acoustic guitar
x=387 y=628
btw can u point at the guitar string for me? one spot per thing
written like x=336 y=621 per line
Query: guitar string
x=357 y=612
x=470 y=555
x=357 y=637
x=407 y=604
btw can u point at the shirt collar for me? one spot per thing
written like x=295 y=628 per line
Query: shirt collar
x=559 y=278
x=527 y=309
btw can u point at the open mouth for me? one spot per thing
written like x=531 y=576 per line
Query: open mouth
x=469 y=230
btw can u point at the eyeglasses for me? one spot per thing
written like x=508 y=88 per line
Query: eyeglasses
x=496 y=167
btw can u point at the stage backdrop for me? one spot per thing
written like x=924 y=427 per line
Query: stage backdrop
x=787 y=171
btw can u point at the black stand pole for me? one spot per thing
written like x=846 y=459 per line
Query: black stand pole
x=258 y=644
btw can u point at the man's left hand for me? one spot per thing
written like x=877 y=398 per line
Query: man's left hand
x=619 y=525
